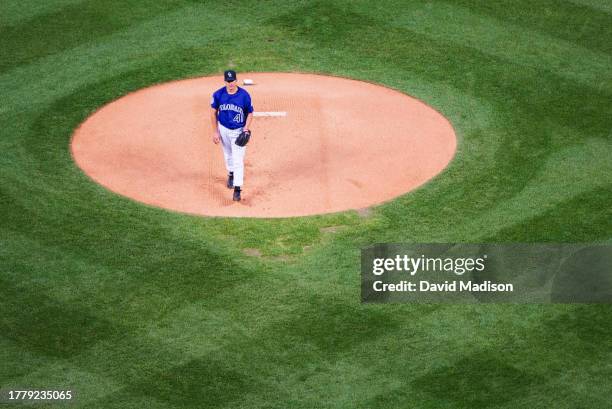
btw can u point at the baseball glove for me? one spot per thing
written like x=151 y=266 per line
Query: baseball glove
x=243 y=138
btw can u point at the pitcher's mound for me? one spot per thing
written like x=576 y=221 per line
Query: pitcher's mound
x=320 y=144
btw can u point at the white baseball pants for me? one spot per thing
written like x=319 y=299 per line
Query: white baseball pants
x=233 y=154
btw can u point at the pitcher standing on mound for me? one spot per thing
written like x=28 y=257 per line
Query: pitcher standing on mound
x=231 y=111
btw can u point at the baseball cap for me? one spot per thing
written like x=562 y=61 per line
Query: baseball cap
x=229 y=75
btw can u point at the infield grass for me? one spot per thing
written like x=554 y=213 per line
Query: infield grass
x=134 y=307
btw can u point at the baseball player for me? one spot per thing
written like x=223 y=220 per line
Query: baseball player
x=230 y=117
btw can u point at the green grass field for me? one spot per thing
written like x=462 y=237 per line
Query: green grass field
x=137 y=307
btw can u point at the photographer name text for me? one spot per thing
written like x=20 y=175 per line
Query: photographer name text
x=447 y=286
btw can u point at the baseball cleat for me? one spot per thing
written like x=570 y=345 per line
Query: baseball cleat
x=236 y=195
x=230 y=181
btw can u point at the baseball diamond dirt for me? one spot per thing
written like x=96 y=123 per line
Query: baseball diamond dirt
x=336 y=144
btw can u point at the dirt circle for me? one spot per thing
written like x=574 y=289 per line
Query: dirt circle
x=320 y=144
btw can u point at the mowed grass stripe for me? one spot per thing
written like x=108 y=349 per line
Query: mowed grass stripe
x=583 y=217
x=125 y=273
x=13 y=12
x=597 y=5
x=120 y=51
x=123 y=257
x=491 y=321
x=45 y=326
x=12 y=369
x=262 y=364
x=563 y=19
x=132 y=346
x=534 y=90
x=517 y=44
x=339 y=328
x=73 y=25
x=279 y=359
x=568 y=172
